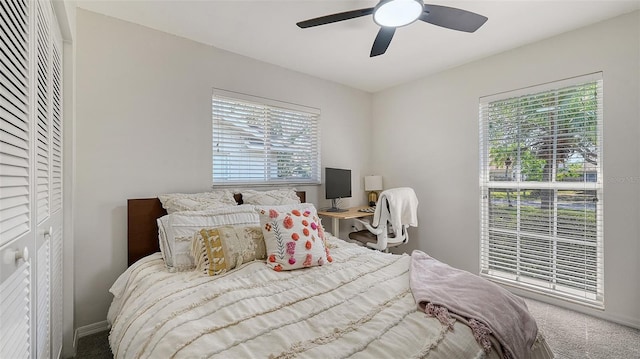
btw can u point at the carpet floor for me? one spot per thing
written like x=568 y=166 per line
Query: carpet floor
x=573 y=335
x=570 y=335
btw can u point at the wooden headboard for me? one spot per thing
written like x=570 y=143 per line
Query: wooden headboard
x=142 y=228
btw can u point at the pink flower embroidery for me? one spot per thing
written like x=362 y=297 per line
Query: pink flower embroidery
x=288 y=222
x=307 y=261
x=273 y=213
x=292 y=261
x=314 y=226
x=306 y=213
x=291 y=248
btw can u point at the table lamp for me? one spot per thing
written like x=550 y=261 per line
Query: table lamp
x=373 y=184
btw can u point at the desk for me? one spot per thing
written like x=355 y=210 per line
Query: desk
x=350 y=213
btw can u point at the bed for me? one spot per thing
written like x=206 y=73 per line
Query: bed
x=360 y=305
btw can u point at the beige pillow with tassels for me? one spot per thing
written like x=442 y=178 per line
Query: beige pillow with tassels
x=222 y=249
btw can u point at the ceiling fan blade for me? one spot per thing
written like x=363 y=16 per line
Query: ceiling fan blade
x=452 y=18
x=322 y=20
x=382 y=41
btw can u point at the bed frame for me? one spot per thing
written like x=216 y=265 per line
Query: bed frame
x=142 y=228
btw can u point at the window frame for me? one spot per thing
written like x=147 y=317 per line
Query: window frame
x=517 y=186
x=261 y=165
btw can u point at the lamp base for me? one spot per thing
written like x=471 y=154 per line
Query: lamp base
x=373 y=198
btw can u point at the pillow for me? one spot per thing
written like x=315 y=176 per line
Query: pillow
x=270 y=198
x=176 y=230
x=294 y=236
x=221 y=249
x=176 y=202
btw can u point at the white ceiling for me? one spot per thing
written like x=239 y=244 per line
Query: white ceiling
x=266 y=30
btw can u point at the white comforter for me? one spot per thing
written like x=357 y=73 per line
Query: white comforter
x=358 y=306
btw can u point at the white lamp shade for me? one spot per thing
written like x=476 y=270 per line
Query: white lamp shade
x=372 y=183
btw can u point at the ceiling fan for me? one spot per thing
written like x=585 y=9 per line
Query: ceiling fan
x=391 y=14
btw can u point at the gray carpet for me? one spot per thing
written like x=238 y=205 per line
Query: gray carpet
x=570 y=335
x=573 y=335
x=94 y=346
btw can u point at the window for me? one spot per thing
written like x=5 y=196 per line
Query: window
x=541 y=182
x=263 y=141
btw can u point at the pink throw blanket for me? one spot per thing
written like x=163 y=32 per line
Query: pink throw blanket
x=488 y=308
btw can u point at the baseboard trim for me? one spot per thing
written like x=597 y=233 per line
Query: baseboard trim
x=598 y=313
x=88 y=330
x=622 y=320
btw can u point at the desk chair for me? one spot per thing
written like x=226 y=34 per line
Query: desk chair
x=396 y=211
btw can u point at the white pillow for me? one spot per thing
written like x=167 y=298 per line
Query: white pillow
x=270 y=198
x=176 y=231
x=176 y=202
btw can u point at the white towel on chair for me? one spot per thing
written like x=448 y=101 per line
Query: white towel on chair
x=403 y=207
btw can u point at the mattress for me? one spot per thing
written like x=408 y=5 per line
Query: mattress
x=358 y=306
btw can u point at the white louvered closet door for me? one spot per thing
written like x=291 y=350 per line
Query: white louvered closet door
x=16 y=181
x=56 y=195
x=49 y=142
x=31 y=208
x=42 y=117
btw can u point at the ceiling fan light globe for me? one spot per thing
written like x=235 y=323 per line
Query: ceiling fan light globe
x=396 y=13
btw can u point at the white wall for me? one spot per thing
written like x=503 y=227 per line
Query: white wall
x=438 y=117
x=143 y=127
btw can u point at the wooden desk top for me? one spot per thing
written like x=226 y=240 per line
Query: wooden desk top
x=348 y=214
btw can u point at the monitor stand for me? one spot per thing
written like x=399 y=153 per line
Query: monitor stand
x=334 y=207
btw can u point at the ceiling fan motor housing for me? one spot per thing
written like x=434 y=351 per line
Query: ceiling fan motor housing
x=397 y=13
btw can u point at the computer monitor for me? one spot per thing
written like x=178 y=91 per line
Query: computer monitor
x=337 y=185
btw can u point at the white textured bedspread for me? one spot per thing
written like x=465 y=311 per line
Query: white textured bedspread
x=358 y=306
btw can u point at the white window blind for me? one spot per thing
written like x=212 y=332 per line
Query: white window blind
x=14 y=121
x=263 y=141
x=541 y=179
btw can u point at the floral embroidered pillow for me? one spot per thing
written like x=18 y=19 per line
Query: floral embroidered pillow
x=294 y=236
